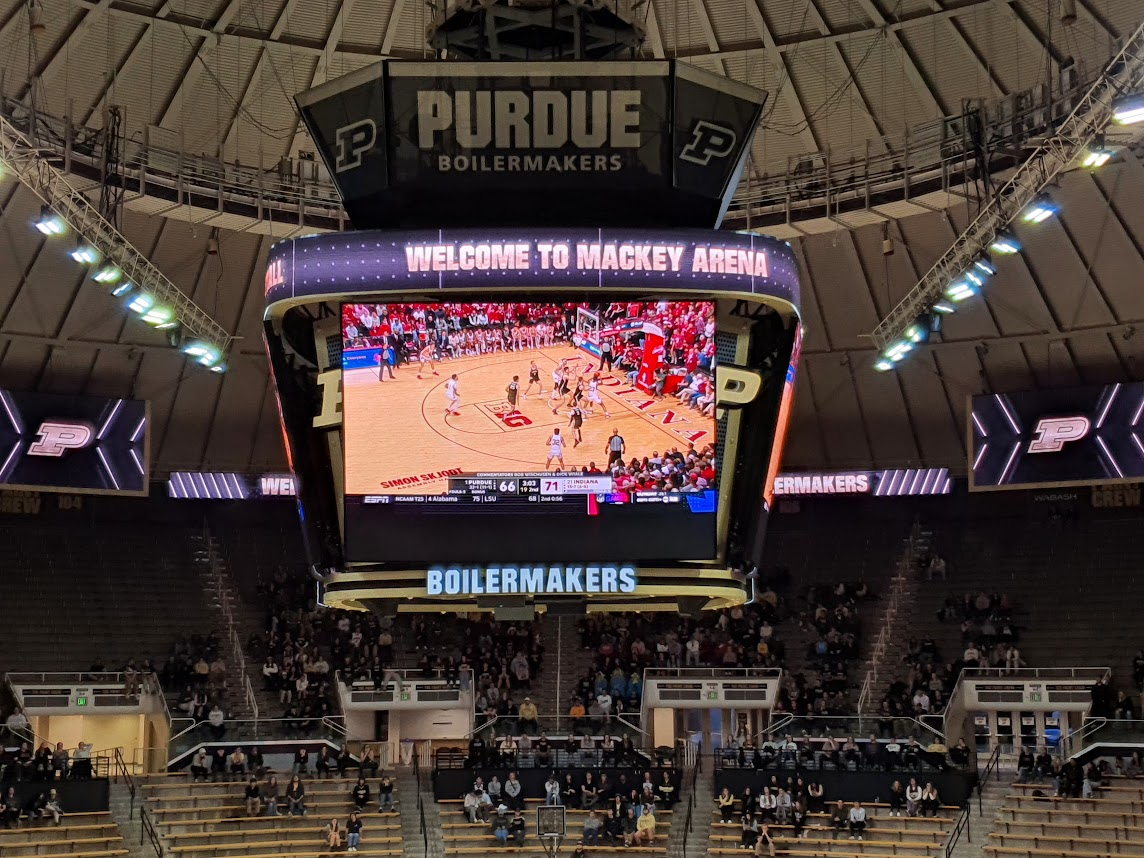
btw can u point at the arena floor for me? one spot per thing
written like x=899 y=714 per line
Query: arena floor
x=398 y=429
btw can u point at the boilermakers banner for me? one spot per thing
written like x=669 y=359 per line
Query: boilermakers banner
x=1068 y=436
x=650 y=261
x=631 y=143
x=75 y=444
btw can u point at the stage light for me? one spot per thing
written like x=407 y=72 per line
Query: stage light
x=944 y=307
x=898 y=350
x=50 y=223
x=985 y=266
x=959 y=290
x=1040 y=209
x=160 y=317
x=107 y=274
x=1095 y=158
x=85 y=254
x=975 y=278
x=141 y=303
x=1005 y=243
x=123 y=288
x=919 y=331
x=203 y=353
x=1128 y=109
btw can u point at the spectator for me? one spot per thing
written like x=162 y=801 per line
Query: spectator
x=472 y=807
x=930 y=800
x=500 y=826
x=552 y=790
x=200 y=766
x=301 y=761
x=527 y=717
x=52 y=808
x=385 y=794
x=592 y=827
x=959 y=754
x=913 y=797
x=645 y=827
x=360 y=794
x=765 y=844
x=798 y=818
x=296 y=797
x=512 y=789
x=726 y=803
x=238 y=764
x=857 y=821
x=42 y=762
x=333 y=834
x=750 y=830
x=517 y=829
x=353 y=831
x=218 y=765
x=17 y=725
x=36 y=807
x=368 y=765
x=570 y=793
x=839 y=817
x=324 y=764
x=270 y=796
x=344 y=761
x=253 y=796
x=630 y=827
x=216 y=719
x=897 y=798
x=10 y=809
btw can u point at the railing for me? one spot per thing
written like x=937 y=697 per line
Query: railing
x=712 y=673
x=1087 y=673
x=121 y=770
x=301 y=729
x=147 y=832
x=959 y=828
x=906 y=569
x=937 y=151
x=1077 y=741
x=251 y=701
x=420 y=804
x=610 y=725
x=991 y=767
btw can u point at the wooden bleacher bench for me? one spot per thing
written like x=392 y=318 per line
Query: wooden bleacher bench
x=1044 y=853
x=215 y=812
x=41 y=847
x=1076 y=803
x=8 y=836
x=888 y=835
x=793 y=847
x=98 y=853
x=1086 y=817
x=205 y=800
x=659 y=849
x=1063 y=828
x=321 y=850
x=243 y=835
x=237 y=783
x=1082 y=843
x=259 y=847
x=932 y=834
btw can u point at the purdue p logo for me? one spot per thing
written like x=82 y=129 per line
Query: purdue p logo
x=1054 y=432
x=708 y=141
x=354 y=140
x=55 y=438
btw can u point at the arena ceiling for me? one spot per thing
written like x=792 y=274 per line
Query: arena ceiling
x=846 y=77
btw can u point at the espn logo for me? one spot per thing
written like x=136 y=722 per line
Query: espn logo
x=56 y=437
x=1052 y=433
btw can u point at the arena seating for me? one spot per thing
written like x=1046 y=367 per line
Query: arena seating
x=466 y=838
x=1035 y=826
x=885 y=835
x=207 y=820
x=79 y=835
x=66 y=586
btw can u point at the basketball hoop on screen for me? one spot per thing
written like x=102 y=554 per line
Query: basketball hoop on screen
x=551 y=828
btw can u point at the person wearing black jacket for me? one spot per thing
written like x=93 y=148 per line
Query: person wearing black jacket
x=385 y=794
x=324 y=763
x=301 y=762
x=353 y=831
x=359 y=795
x=897 y=798
x=570 y=793
x=516 y=829
x=218 y=765
x=253 y=797
x=296 y=797
x=613 y=828
x=344 y=761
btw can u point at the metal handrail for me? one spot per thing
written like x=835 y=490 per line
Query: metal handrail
x=122 y=770
x=959 y=828
x=990 y=767
x=147 y=830
x=906 y=566
x=712 y=673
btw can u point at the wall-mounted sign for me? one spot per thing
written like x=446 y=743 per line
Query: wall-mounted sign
x=545 y=580
x=889 y=483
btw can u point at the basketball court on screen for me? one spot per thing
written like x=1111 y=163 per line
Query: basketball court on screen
x=398 y=439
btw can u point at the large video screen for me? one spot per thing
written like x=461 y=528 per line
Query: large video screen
x=538 y=431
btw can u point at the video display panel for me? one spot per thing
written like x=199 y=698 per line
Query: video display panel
x=530 y=430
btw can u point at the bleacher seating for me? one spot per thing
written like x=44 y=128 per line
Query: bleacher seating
x=1034 y=826
x=208 y=820
x=885 y=835
x=79 y=835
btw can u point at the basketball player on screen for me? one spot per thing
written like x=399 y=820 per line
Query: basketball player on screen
x=556 y=398
x=452 y=396
x=594 y=397
x=555 y=449
x=533 y=378
x=576 y=420
x=511 y=392
x=426 y=358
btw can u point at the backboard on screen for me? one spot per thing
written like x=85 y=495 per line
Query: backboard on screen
x=74 y=444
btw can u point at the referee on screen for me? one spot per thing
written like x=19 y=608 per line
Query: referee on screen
x=616 y=448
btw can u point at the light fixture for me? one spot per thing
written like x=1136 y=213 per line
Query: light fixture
x=959 y=290
x=50 y=223
x=85 y=254
x=141 y=303
x=1128 y=109
x=159 y=317
x=1095 y=158
x=985 y=266
x=898 y=350
x=219 y=367
x=975 y=278
x=919 y=331
x=1005 y=243
x=943 y=307
x=107 y=274
x=883 y=364
x=203 y=353
x=123 y=288
x=1040 y=209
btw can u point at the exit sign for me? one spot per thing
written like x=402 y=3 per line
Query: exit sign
x=1034 y=697
x=406 y=695
x=712 y=695
x=81 y=701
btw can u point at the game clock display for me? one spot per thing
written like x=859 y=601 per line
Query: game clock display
x=539 y=431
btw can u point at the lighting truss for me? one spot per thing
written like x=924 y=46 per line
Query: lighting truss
x=30 y=165
x=1093 y=113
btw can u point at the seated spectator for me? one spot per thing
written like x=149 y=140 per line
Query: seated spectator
x=368 y=765
x=726 y=802
x=42 y=763
x=959 y=754
x=527 y=717
x=897 y=798
x=296 y=797
x=353 y=831
x=270 y=796
x=839 y=816
x=570 y=793
x=913 y=797
x=17 y=725
x=857 y=821
x=344 y=761
x=592 y=827
x=385 y=794
x=216 y=719
x=512 y=790
x=494 y=789
x=472 y=807
x=360 y=794
x=324 y=763
x=218 y=765
x=36 y=807
x=765 y=844
x=238 y=764
x=333 y=834
x=552 y=790
x=750 y=830
x=500 y=826
x=543 y=752
x=10 y=809
x=630 y=826
x=645 y=827
x=253 y=798
x=930 y=801
x=517 y=829
x=301 y=762
x=200 y=766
